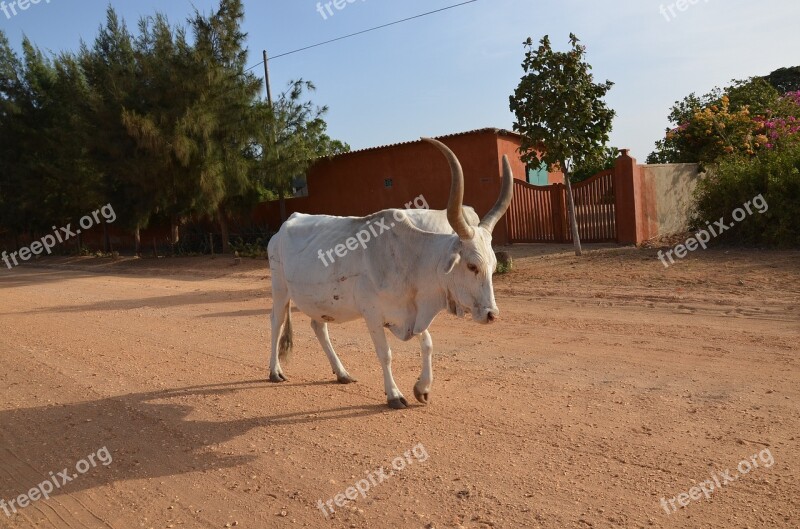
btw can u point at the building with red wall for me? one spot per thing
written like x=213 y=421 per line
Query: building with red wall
x=362 y=182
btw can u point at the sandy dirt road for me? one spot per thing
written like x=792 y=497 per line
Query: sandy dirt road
x=608 y=384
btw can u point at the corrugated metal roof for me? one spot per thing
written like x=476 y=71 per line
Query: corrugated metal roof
x=499 y=132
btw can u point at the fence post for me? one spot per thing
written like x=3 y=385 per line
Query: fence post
x=625 y=192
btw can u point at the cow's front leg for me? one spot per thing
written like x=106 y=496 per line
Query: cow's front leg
x=321 y=330
x=393 y=395
x=422 y=388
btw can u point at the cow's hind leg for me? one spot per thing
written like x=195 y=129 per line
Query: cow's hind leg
x=422 y=388
x=321 y=330
x=393 y=395
x=281 y=320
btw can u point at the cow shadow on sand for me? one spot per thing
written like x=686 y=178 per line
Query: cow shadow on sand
x=147 y=435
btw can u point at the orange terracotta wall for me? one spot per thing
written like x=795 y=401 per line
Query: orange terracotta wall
x=353 y=184
x=509 y=145
x=555 y=177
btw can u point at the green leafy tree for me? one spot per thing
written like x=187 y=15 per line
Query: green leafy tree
x=755 y=94
x=52 y=179
x=602 y=163
x=11 y=183
x=231 y=92
x=785 y=79
x=164 y=127
x=560 y=113
x=712 y=132
x=175 y=130
x=293 y=137
x=72 y=183
x=111 y=71
x=720 y=123
x=33 y=116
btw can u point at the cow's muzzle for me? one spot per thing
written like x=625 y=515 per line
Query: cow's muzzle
x=487 y=315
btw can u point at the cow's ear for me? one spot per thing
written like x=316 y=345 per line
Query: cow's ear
x=451 y=262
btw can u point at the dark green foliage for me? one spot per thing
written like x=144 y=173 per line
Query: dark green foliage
x=590 y=168
x=11 y=181
x=775 y=175
x=294 y=136
x=111 y=70
x=785 y=79
x=504 y=263
x=755 y=94
x=165 y=124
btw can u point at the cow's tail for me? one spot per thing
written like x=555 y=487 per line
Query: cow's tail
x=285 y=342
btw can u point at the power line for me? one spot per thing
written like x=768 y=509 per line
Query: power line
x=362 y=32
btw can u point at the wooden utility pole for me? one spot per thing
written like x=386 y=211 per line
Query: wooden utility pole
x=281 y=198
x=266 y=78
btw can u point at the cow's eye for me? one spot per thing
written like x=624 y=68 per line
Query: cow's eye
x=472 y=268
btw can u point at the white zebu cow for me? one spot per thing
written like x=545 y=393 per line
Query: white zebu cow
x=420 y=263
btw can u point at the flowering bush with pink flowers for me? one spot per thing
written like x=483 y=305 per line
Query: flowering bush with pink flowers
x=780 y=127
x=771 y=168
x=745 y=119
x=793 y=97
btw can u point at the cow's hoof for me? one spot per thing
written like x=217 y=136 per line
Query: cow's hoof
x=422 y=397
x=277 y=377
x=346 y=379
x=398 y=404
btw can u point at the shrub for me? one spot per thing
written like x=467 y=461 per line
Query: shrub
x=504 y=263
x=774 y=174
x=253 y=250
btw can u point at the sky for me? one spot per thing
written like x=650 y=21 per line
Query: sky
x=454 y=71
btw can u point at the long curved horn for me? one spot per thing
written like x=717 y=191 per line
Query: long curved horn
x=455 y=215
x=506 y=194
